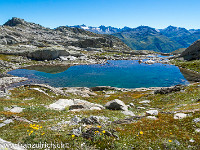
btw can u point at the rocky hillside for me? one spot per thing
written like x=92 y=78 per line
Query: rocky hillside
x=19 y=36
x=182 y=36
x=192 y=52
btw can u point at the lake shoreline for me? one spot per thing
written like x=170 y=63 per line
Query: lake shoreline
x=92 y=61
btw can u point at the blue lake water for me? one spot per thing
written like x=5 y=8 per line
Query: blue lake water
x=120 y=73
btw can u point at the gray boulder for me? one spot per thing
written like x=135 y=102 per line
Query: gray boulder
x=76 y=132
x=152 y=117
x=152 y=112
x=180 y=116
x=75 y=120
x=47 y=54
x=61 y=104
x=128 y=113
x=116 y=105
x=74 y=104
x=16 y=109
x=90 y=120
x=196 y=120
x=145 y=102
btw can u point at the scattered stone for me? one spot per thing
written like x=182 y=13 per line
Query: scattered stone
x=17 y=110
x=6 y=109
x=192 y=141
x=182 y=91
x=75 y=120
x=180 y=116
x=2 y=118
x=152 y=117
x=8 y=121
x=196 y=120
x=2 y=124
x=39 y=90
x=141 y=108
x=197 y=130
x=87 y=104
x=102 y=118
x=131 y=104
x=110 y=92
x=106 y=95
x=28 y=99
x=22 y=119
x=145 y=102
x=152 y=112
x=54 y=128
x=95 y=108
x=128 y=113
x=149 y=62
x=116 y=105
x=77 y=132
x=76 y=107
x=177 y=142
x=61 y=104
x=90 y=120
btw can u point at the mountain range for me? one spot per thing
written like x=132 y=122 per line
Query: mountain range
x=147 y=38
x=21 y=35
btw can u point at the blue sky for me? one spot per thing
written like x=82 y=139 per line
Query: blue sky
x=117 y=13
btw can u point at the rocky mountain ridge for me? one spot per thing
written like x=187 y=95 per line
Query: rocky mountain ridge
x=21 y=37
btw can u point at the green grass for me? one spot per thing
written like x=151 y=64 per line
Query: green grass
x=164 y=133
x=192 y=65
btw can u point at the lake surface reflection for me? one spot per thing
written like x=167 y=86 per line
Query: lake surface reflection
x=115 y=73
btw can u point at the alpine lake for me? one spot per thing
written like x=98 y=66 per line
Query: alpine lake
x=114 y=73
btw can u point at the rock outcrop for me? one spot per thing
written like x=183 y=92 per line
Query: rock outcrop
x=116 y=105
x=192 y=52
x=47 y=54
x=74 y=104
x=24 y=38
x=167 y=90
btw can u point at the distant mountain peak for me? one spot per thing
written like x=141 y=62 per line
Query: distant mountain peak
x=15 y=21
x=100 y=30
x=173 y=28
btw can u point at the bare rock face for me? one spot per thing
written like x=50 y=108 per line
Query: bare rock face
x=192 y=52
x=20 y=37
x=14 y=21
